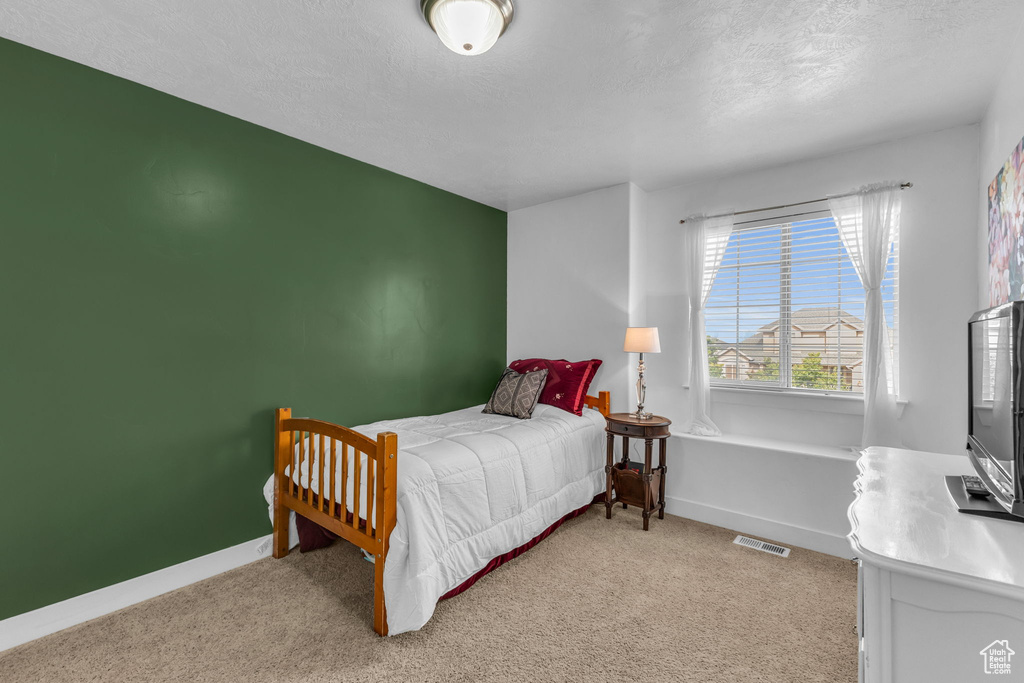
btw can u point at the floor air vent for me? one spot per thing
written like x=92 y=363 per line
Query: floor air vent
x=762 y=546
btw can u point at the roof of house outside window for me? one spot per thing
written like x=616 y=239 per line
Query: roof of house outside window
x=806 y=320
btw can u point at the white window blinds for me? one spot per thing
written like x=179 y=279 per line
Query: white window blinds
x=786 y=308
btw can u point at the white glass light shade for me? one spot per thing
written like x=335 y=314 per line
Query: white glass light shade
x=467 y=27
x=642 y=340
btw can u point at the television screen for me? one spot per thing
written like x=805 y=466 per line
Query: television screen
x=992 y=404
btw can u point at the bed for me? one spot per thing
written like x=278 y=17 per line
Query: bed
x=435 y=500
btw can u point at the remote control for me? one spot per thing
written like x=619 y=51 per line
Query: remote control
x=975 y=487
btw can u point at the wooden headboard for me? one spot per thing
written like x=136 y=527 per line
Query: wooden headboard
x=603 y=402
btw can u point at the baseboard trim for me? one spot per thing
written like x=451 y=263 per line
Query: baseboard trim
x=23 y=628
x=781 y=532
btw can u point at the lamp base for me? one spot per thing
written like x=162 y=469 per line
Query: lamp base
x=641 y=392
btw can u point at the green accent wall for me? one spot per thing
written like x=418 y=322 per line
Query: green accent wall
x=168 y=276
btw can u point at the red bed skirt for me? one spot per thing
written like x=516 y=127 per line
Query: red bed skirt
x=313 y=536
x=516 y=552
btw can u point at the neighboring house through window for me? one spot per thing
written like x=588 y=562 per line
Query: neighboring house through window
x=786 y=309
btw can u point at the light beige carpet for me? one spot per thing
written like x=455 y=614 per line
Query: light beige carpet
x=599 y=600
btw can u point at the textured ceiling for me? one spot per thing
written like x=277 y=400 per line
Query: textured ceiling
x=576 y=96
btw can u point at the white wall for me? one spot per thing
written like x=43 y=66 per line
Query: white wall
x=1001 y=130
x=783 y=491
x=938 y=275
x=568 y=283
x=582 y=268
x=637 y=257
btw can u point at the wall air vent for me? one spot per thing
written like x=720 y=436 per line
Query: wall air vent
x=762 y=546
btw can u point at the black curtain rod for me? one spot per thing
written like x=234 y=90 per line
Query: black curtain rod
x=903 y=186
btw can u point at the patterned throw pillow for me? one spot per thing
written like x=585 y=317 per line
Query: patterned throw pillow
x=516 y=395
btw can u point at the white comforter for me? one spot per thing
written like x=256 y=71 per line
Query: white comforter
x=471 y=487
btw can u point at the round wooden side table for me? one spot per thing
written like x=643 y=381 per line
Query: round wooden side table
x=636 y=483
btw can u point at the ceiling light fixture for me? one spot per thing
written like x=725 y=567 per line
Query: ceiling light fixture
x=468 y=27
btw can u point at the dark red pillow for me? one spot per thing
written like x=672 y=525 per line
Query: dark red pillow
x=567 y=383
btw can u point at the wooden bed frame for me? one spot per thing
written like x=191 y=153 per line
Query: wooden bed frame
x=378 y=484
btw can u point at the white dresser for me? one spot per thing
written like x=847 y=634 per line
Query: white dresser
x=936 y=587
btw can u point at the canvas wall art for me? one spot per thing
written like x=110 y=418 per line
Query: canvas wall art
x=1006 y=231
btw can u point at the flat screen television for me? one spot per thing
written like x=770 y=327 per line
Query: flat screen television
x=995 y=409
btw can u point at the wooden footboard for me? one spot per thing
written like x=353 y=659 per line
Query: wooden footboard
x=313 y=448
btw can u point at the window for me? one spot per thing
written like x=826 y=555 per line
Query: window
x=786 y=309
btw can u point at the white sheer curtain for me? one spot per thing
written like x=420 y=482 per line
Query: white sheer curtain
x=869 y=222
x=704 y=243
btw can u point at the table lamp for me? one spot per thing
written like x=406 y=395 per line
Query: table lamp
x=641 y=340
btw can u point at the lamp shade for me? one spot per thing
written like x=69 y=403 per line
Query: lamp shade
x=468 y=27
x=642 y=340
